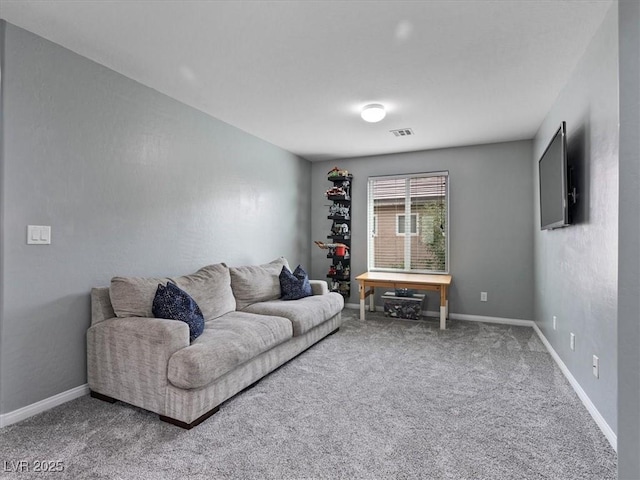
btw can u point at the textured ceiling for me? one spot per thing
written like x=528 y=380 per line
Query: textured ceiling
x=296 y=73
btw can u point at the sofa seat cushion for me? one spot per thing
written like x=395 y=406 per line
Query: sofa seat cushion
x=304 y=313
x=226 y=343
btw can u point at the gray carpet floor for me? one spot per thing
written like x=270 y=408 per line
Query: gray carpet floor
x=380 y=399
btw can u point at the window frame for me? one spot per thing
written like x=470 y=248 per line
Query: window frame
x=371 y=236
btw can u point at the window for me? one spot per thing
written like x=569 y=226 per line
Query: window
x=417 y=204
x=400 y=224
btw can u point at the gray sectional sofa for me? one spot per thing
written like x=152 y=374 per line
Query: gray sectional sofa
x=150 y=363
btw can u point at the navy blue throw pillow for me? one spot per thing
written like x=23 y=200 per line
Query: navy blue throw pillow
x=294 y=285
x=175 y=304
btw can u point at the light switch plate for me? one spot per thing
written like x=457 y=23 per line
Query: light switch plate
x=38 y=234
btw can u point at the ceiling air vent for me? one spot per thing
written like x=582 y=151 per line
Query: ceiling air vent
x=402 y=132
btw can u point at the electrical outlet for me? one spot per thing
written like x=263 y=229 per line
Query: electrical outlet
x=572 y=341
x=596 y=366
x=554 y=321
x=483 y=296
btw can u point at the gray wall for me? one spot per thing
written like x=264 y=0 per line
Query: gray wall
x=132 y=183
x=576 y=267
x=490 y=214
x=629 y=244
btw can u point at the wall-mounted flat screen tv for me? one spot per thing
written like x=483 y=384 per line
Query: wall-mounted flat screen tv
x=554 y=183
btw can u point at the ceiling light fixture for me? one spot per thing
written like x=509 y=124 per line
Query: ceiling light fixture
x=373 y=112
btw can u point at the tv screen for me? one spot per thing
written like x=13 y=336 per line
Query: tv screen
x=552 y=166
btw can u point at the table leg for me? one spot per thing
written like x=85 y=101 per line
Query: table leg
x=443 y=308
x=372 y=298
x=362 y=297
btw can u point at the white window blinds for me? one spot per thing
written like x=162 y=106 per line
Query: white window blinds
x=408 y=223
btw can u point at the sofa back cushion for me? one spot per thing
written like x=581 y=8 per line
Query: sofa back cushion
x=210 y=287
x=257 y=283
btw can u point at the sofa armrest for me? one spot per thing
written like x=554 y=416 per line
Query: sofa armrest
x=127 y=358
x=319 y=287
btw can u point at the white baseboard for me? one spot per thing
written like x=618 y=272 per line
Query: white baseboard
x=459 y=316
x=591 y=408
x=43 y=405
x=481 y=318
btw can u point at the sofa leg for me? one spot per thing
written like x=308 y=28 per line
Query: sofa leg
x=102 y=397
x=250 y=386
x=189 y=426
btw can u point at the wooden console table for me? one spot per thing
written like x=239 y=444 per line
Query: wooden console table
x=416 y=281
